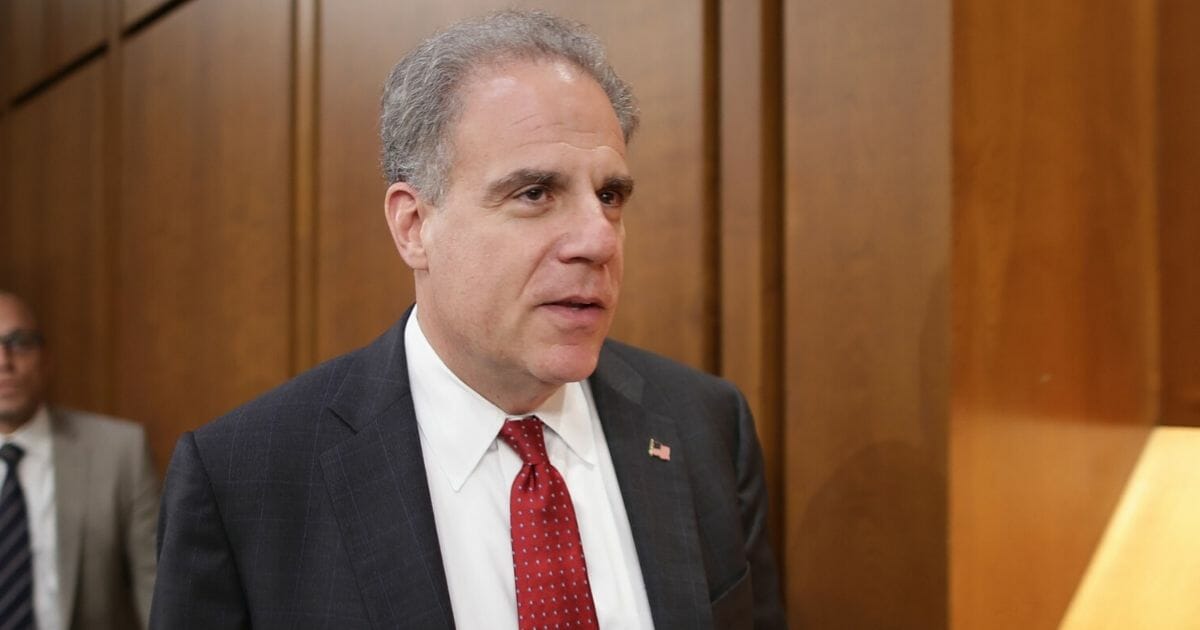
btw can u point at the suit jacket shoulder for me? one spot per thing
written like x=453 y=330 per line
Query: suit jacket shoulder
x=664 y=382
x=306 y=507
x=367 y=376
x=99 y=430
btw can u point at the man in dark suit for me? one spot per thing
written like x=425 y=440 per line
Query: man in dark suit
x=491 y=461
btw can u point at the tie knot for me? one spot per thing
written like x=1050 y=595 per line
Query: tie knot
x=11 y=453
x=525 y=437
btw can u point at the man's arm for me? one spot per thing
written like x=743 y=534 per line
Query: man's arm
x=198 y=583
x=141 y=521
x=752 y=497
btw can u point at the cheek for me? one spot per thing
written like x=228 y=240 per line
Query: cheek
x=616 y=268
x=30 y=369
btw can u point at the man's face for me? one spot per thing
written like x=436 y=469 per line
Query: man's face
x=22 y=368
x=524 y=254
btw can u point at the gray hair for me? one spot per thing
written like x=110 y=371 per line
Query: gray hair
x=422 y=96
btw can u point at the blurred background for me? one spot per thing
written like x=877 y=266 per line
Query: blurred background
x=950 y=249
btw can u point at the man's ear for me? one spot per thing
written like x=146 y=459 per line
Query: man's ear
x=406 y=214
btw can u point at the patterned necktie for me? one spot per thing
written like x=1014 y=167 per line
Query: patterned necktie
x=552 y=582
x=16 y=562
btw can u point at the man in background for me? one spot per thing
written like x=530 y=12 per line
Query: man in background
x=492 y=461
x=79 y=502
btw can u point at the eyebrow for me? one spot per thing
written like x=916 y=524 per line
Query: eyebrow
x=500 y=188
x=620 y=184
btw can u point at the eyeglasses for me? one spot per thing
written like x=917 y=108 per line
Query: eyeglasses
x=21 y=341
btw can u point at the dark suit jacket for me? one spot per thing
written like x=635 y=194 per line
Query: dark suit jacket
x=309 y=507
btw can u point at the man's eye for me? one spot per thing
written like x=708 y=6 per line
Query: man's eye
x=537 y=193
x=611 y=198
x=21 y=341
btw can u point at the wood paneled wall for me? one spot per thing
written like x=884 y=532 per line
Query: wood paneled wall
x=45 y=36
x=1179 y=208
x=203 y=284
x=1055 y=295
x=751 y=222
x=53 y=157
x=867 y=234
x=930 y=241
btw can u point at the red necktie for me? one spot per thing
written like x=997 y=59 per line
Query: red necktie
x=552 y=582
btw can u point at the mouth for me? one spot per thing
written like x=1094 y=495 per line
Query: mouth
x=578 y=312
x=577 y=304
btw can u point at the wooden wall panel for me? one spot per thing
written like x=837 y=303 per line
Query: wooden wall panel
x=54 y=228
x=751 y=220
x=1055 y=294
x=867 y=243
x=43 y=36
x=1179 y=204
x=362 y=284
x=81 y=28
x=20 y=135
x=204 y=233
x=134 y=10
x=25 y=43
x=668 y=301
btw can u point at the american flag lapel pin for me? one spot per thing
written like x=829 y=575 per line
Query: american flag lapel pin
x=660 y=450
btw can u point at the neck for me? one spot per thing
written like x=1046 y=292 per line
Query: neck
x=514 y=394
x=518 y=405
x=11 y=421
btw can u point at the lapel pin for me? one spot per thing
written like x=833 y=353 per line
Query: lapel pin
x=660 y=450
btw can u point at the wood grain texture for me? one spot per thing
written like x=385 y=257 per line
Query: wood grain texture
x=205 y=229
x=867 y=227
x=134 y=10
x=304 y=187
x=54 y=228
x=43 y=36
x=668 y=299
x=1055 y=294
x=751 y=220
x=26 y=43
x=80 y=27
x=1179 y=207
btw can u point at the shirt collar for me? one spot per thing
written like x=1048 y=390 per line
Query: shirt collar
x=460 y=425
x=34 y=436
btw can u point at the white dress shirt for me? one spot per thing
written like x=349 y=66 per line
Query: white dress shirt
x=36 y=474
x=470 y=475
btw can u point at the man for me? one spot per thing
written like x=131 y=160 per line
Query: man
x=79 y=502
x=491 y=461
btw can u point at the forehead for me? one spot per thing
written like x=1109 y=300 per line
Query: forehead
x=14 y=314
x=527 y=102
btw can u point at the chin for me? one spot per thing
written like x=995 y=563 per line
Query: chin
x=17 y=412
x=568 y=365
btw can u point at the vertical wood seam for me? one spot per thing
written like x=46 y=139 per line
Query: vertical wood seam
x=750 y=227
x=111 y=174
x=304 y=140
x=773 y=331
x=711 y=59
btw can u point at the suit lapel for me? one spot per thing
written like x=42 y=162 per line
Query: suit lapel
x=71 y=491
x=376 y=481
x=657 y=497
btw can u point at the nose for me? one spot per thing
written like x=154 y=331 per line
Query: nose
x=595 y=234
